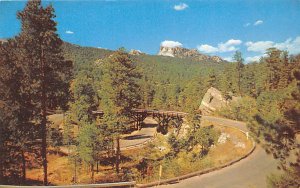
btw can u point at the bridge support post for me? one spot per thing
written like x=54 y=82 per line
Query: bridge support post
x=139 y=117
x=163 y=122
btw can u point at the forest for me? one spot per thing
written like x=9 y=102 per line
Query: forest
x=41 y=75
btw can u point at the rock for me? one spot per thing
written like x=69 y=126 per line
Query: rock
x=223 y=138
x=181 y=52
x=214 y=100
x=240 y=145
x=3 y=41
x=217 y=59
x=136 y=52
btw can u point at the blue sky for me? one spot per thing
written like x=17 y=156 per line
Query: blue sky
x=214 y=27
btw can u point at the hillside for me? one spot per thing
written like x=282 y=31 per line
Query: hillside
x=170 y=79
x=82 y=56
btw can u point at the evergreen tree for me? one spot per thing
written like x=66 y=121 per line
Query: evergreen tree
x=89 y=145
x=212 y=79
x=90 y=139
x=85 y=98
x=119 y=95
x=148 y=93
x=46 y=72
x=18 y=133
x=274 y=67
x=285 y=76
x=237 y=57
x=194 y=120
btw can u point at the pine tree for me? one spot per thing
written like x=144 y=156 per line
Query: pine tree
x=285 y=76
x=237 y=57
x=89 y=145
x=119 y=95
x=212 y=79
x=90 y=140
x=46 y=72
x=274 y=65
x=19 y=133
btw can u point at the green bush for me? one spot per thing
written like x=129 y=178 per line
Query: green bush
x=244 y=109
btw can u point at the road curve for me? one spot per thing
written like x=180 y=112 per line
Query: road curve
x=140 y=137
x=249 y=172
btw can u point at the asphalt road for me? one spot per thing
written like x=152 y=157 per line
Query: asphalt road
x=248 y=173
x=140 y=137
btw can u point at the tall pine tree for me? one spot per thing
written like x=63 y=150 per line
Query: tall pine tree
x=120 y=93
x=17 y=130
x=237 y=57
x=47 y=74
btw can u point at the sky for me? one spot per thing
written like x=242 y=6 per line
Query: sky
x=213 y=27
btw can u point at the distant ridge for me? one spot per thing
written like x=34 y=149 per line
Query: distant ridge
x=181 y=52
x=3 y=40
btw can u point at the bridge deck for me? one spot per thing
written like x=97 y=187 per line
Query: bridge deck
x=151 y=112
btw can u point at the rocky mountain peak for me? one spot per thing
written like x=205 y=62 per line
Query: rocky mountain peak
x=135 y=52
x=178 y=51
x=3 y=41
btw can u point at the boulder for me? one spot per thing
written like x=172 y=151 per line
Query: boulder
x=214 y=100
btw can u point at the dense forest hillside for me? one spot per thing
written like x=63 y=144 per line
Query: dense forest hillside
x=175 y=83
x=166 y=81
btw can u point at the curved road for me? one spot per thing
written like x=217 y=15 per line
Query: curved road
x=140 y=137
x=247 y=173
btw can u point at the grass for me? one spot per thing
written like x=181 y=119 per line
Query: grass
x=56 y=120
x=185 y=162
x=142 y=164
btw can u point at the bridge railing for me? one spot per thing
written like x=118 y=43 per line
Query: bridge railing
x=165 y=112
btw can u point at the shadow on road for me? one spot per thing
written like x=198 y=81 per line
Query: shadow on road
x=149 y=125
x=135 y=137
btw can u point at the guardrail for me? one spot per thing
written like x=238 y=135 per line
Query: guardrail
x=118 y=184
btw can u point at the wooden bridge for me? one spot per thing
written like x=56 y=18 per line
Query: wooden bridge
x=162 y=117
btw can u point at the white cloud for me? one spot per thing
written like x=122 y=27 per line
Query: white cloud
x=69 y=32
x=180 y=6
x=170 y=44
x=292 y=46
x=228 y=59
x=229 y=46
x=207 y=48
x=259 y=46
x=258 y=22
x=247 y=24
x=252 y=59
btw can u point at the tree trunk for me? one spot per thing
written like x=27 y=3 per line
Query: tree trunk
x=75 y=173
x=43 y=100
x=23 y=167
x=118 y=155
x=1 y=170
x=97 y=167
x=92 y=168
x=44 y=144
x=239 y=81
